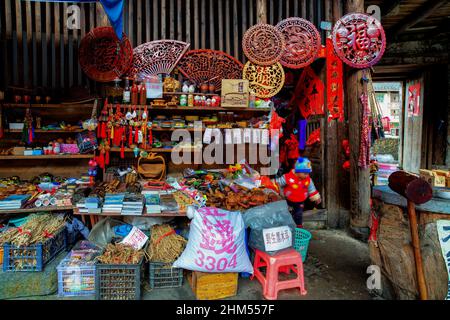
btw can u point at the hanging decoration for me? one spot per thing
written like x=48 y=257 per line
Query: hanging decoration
x=364 y=144
x=314 y=137
x=102 y=56
x=308 y=94
x=302 y=42
x=359 y=40
x=157 y=57
x=335 y=89
x=204 y=65
x=302 y=124
x=414 y=99
x=263 y=44
x=292 y=145
x=264 y=81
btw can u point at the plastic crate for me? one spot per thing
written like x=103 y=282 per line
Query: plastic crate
x=33 y=257
x=301 y=242
x=162 y=275
x=118 y=281
x=75 y=280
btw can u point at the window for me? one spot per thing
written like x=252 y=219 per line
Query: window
x=395 y=97
x=380 y=97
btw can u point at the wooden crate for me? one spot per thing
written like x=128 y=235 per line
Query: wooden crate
x=212 y=286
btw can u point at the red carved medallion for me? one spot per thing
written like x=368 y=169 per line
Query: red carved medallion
x=359 y=40
x=102 y=56
x=157 y=57
x=263 y=44
x=302 y=42
x=204 y=65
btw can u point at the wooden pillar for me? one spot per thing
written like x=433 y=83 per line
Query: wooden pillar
x=261 y=10
x=359 y=178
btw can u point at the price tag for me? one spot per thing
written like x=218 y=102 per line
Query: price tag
x=277 y=238
x=136 y=238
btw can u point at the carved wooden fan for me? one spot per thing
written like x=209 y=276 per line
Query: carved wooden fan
x=205 y=65
x=157 y=57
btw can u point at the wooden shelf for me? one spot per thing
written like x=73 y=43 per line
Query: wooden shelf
x=40 y=209
x=46 y=131
x=48 y=157
x=44 y=105
x=204 y=109
x=193 y=93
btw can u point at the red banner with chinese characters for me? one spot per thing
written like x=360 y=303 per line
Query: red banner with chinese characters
x=308 y=95
x=335 y=89
x=414 y=99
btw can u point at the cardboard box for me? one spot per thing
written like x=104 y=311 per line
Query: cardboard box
x=433 y=178
x=235 y=93
x=212 y=286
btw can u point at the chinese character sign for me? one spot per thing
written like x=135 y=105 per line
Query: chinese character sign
x=216 y=243
x=359 y=40
x=277 y=238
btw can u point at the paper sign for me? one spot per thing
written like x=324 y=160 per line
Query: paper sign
x=247 y=135
x=237 y=136
x=154 y=90
x=443 y=228
x=207 y=136
x=136 y=238
x=277 y=238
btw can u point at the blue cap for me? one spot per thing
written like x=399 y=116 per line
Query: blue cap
x=303 y=165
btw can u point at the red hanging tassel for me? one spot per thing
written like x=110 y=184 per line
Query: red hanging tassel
x=130 y=136
x=101 y=160
x=99 y=126
x=122 y=151
x=150 y=137
x=103 y=131
x=107 y=158
x=136 y=135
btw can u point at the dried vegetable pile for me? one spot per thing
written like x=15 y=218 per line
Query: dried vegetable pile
x=37 y=229
x=121 y=254
x=165 y=245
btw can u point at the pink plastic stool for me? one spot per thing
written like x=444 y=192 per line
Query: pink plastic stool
x=286 y=261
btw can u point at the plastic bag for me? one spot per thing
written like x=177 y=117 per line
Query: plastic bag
x=272 y=227
x=103 y=231
x=216 y=242
x=146 y=223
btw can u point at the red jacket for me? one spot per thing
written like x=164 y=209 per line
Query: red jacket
x=298 y=190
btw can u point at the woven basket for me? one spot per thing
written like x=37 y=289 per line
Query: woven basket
x=152 y=167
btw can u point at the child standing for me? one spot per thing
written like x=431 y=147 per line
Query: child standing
x=298 y=187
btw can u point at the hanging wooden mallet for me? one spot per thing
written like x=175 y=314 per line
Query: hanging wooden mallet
x=416 y=191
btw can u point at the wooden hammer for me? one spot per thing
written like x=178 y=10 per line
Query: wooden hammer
x=416 y=191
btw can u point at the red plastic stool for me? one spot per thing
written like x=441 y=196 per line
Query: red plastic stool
x=285 y=261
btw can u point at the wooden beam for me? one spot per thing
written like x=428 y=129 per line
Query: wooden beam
x=261 y=11
x=418 y=15
x=390 y=7
x=359 y=178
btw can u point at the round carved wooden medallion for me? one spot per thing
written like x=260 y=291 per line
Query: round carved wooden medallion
x=302 y=42
x=264 y=81
x=102 y=56
x=359 y=40
x=263 y=44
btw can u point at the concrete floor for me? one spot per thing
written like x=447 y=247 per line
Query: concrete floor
x=335 y=269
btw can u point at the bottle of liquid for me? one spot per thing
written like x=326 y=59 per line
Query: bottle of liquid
x=134 y=93
x=126 y=92
x=143 y=94
x=190 y=100
x=117 y=91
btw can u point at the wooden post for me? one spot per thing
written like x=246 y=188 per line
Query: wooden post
x=261 y=11
x=359 y=178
